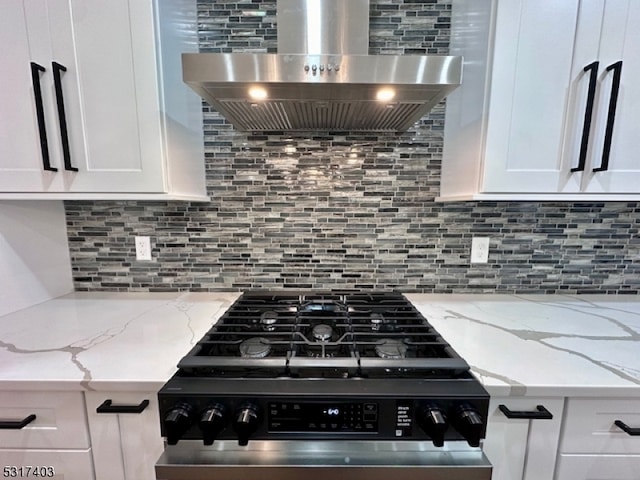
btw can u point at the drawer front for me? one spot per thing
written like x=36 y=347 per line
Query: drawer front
x=45 y=464
x=598 y=467
x=60 y=420
x=589 y=426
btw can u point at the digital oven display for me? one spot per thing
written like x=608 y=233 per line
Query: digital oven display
x=323 y=417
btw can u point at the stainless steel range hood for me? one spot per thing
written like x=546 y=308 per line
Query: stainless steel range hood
x=322 y=77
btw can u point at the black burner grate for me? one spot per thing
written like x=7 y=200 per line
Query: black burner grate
x=315 y=334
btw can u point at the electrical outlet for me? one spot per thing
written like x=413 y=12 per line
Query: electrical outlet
x=479 y=249
x=143 y=248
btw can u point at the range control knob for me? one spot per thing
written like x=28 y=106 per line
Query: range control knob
x=433 y=421
x=212 y=421
x=177 y=421
x=246 y=422
x=469 y=422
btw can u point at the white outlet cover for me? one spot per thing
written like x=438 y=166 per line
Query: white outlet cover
x=143 y=248
x=479 y=249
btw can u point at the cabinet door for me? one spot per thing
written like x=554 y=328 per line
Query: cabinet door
x=108 y=90
x=21 y=159
x=112 y=95
x=521 y=448
x=619 y=42
x=125 y=446
x=532 y=67
x=582 y=117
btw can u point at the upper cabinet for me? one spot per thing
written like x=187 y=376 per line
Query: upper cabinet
x=92 y=101
x=548 y=105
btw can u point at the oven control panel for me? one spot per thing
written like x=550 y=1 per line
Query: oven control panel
x=260 y=417
x=339 y=417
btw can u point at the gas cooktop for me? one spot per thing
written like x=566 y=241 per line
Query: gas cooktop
x=323 y=335
x=323 y=365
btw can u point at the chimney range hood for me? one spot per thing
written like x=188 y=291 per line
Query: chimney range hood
x=322 y=77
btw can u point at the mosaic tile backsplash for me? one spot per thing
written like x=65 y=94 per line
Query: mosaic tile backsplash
x=346 y=210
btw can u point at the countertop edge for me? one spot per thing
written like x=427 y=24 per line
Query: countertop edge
x=476 y=315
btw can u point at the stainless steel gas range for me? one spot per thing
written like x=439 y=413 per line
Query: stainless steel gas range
x=317 y=384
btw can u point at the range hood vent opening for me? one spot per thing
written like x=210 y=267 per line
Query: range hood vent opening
x=322 y=79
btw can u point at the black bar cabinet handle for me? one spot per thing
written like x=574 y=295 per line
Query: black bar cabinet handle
x=634 y=432
x=107 y=407
x=588 y=114
x=62 y=117
x=37 y=93
x=541 y=413
x=611 y=115
x=17 y=425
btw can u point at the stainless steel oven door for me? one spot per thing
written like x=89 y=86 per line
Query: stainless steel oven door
x=322 y=460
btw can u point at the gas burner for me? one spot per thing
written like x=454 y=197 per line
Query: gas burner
x=255 y=347
x=322 y=306
x=376 y=321
x=391 y=348
x=322 y=332
x=383 y=323
x=268 y=320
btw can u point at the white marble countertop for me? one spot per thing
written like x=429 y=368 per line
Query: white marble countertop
x=543 y=345
x=104 y=341
x=517 y=345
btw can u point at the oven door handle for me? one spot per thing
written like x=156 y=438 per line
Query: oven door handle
x=107 y=407
x=540 y=413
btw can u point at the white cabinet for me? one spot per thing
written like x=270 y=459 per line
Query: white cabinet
x=593 y=447
x=45 y=429
x=516 y=128
x=522 y=448
x=619 y=46
x=116 y=120
x=20 y=156
x=126 y=446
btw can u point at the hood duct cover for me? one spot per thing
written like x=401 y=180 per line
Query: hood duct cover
x=322 y=78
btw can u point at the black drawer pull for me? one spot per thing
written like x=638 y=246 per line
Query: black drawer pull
x=8 y=425
x=588 y=114
x=611 y=116
x=541 y=413
x=634 y=432
x=42 y=130
x=106 y=407
x=62 y=116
